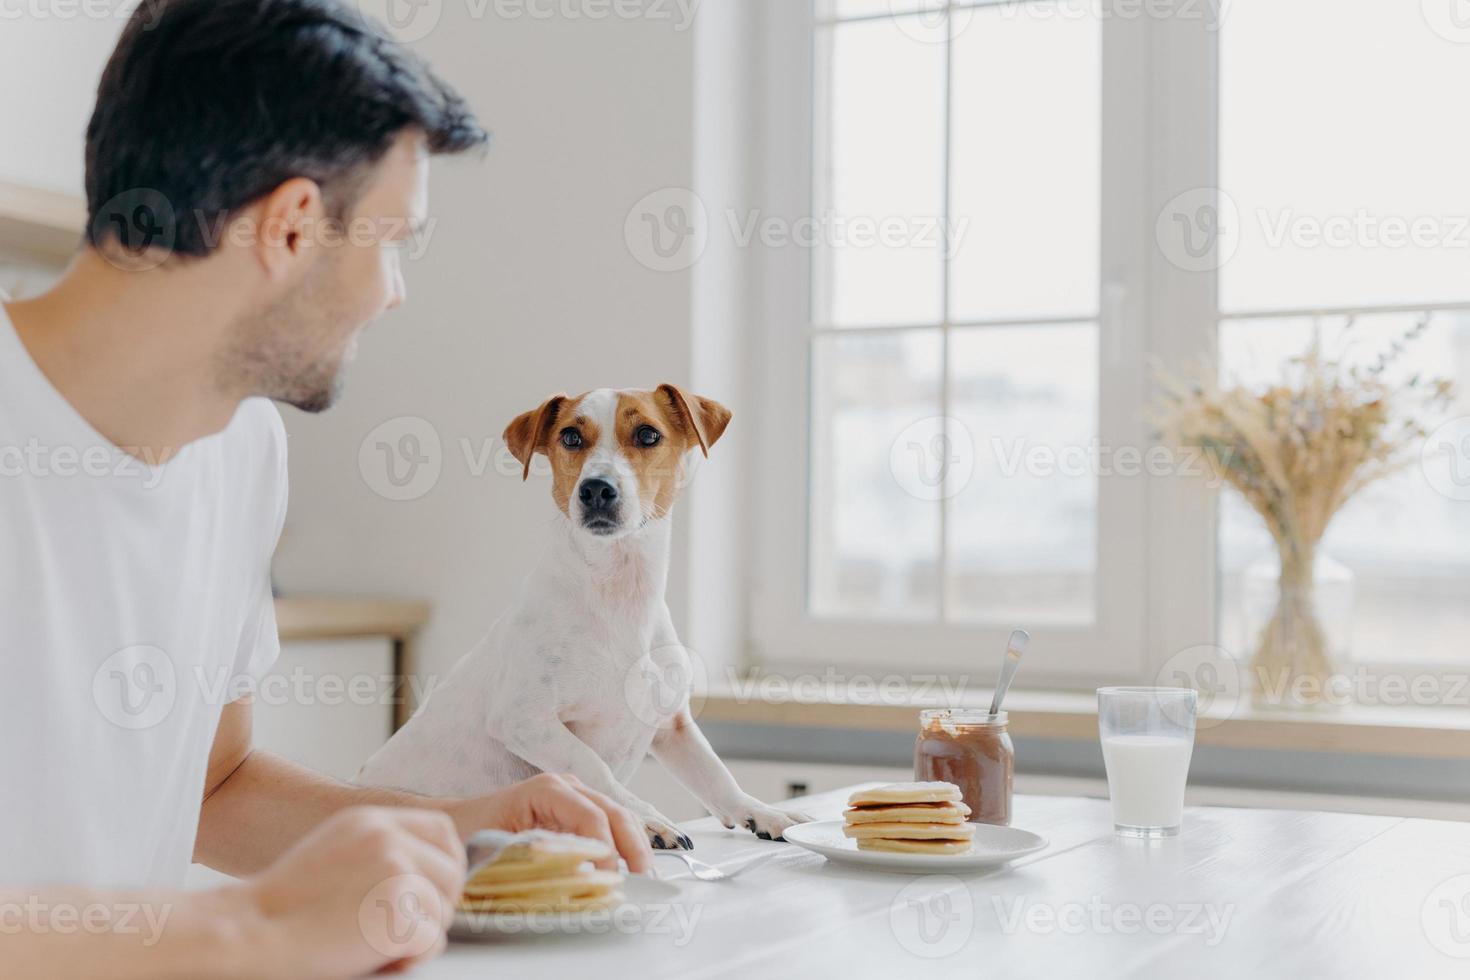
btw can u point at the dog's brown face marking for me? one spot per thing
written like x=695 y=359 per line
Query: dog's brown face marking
x=653 y=442
x=637 y=436
x=571 y=435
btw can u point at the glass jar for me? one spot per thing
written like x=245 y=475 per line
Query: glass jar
x=972 y=749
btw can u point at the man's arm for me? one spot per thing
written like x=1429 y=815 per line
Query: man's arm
x=257 y=805
x=140 y=934
x=370 y=888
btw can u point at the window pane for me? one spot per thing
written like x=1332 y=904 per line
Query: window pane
x=874 y=520
x=875 y=8
x=1023 y=531
x=1025 y=185
x=1337 y=153
x=879 y=189
x=1406 y=542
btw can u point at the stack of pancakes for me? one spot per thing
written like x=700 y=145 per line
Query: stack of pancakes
x=544 y=872
x=915 y=818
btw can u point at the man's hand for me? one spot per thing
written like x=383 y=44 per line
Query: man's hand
x=557 y=803
x=369 y=888
x=258 y=806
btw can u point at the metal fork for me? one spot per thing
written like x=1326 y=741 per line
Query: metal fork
x=708 y=872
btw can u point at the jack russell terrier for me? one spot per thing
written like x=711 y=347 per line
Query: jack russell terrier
x=584 y=673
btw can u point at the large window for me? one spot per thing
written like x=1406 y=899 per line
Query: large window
x=971 y=338
x=965 y=382
x=1347 y=184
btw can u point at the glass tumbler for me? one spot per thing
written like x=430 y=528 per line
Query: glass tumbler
x=1147 y=739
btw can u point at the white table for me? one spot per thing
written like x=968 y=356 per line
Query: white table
x=1300 y=895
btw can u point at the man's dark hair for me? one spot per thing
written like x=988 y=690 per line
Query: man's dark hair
x=208 y=105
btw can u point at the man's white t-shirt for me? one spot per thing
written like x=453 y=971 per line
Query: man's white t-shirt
x=135 y=603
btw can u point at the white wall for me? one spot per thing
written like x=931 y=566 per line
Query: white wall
x=49 y=67
x=528 y=289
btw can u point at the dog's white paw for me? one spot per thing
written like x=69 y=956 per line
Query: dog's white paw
x=662 y=834
x=766 y=822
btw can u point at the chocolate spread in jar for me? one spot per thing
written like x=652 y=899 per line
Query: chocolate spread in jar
x=970 y=748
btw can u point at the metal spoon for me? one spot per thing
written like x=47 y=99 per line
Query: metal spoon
x=1014 y=648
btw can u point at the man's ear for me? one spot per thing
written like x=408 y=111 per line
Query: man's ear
x=705 y=418
x=530 y=432
x=286 y=220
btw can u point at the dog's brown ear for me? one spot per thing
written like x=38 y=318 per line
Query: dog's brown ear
x=705 y=418
x=530 y=432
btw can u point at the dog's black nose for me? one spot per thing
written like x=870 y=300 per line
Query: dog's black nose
x=598 y=495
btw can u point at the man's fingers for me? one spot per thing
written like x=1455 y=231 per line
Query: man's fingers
x=585 y=818
x=433 y=827
x=442 y=871
x=627 y=832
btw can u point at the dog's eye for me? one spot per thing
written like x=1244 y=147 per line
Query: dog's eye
x=647 y=435
x=571 y=438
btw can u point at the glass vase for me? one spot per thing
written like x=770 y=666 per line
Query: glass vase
x=1298 y=608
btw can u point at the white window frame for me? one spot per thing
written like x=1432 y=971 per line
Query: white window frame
x=1156 y=576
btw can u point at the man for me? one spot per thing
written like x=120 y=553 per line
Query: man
x=253 y=167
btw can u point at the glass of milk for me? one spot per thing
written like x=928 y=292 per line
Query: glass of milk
x=1147 y=739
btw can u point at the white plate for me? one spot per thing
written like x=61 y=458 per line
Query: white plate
x=992 y=847
x=640 y=894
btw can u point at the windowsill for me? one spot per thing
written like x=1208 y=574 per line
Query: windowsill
x=1411 y=732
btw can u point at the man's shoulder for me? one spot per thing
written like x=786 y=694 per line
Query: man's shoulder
x=257 y=441
x=259 y=421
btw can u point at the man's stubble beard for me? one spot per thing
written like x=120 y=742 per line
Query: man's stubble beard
x=277 y=351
